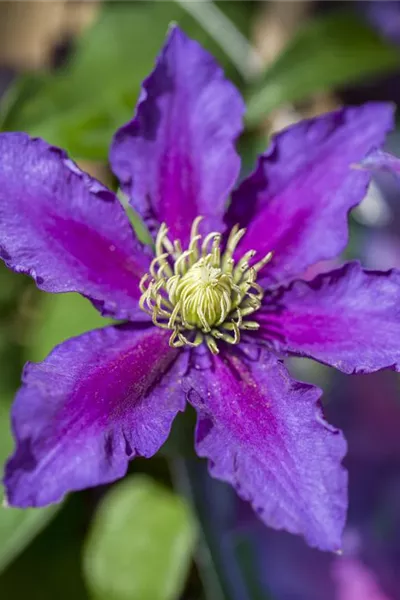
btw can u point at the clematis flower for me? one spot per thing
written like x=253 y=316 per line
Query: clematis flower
x=212 y=311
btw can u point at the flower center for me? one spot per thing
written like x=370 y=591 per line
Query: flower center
x=201 y=294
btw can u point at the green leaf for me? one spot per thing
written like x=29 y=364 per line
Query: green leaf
x=61 y=316
x=327 y=52
x=17 y=527
x=80 y=107
x=140 y=544
x=51 y=565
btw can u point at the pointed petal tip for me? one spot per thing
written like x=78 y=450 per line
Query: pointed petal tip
x=174 y=29
x=330 y=319
x=298 y=198
x=186 y=123
x=268 y=439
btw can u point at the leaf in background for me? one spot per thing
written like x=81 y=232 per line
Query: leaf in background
x=327 y=52
x=17 y=527
x=61 y=316
x=50 y=567
x=141 y=543
x=12 y=290
x=80 y=107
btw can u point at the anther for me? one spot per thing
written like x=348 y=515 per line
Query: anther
x=200 y=294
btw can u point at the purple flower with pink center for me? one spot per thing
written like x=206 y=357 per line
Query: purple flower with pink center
x=211 y=309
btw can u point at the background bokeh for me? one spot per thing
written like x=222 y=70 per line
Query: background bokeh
x=70 y=72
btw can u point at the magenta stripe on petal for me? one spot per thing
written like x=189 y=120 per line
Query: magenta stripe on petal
x=264 y=433
x=297 y=201
x=65 y=229
x=176 y=159
x=97 y=401
x=348 y=318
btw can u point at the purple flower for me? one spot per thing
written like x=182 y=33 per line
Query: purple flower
x=207 y=319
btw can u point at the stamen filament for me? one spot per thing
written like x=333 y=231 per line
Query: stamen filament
x=200 y=294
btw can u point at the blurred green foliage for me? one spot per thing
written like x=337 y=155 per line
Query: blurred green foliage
x=80 y=107
x=61 y=316
x=17 y=527
x=328 y=52
x=50 y=567
x=140 y=543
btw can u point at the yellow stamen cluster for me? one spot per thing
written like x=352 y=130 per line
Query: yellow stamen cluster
x=200 y=294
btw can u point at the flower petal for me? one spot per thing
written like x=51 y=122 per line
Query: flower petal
x=296 y=202
x=264 y=434
x=176 y=159
x=356 y=581
x=64 y=228
x=348 y=318
x=97 y=401
x=378 y=160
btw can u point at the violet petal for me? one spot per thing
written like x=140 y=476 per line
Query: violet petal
x=65 y=229
x=296 y=202
x=356 y=581
x=264 y=433
x=96 y=402
x=176 y=159
x=348 y=318
x=379 y=160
